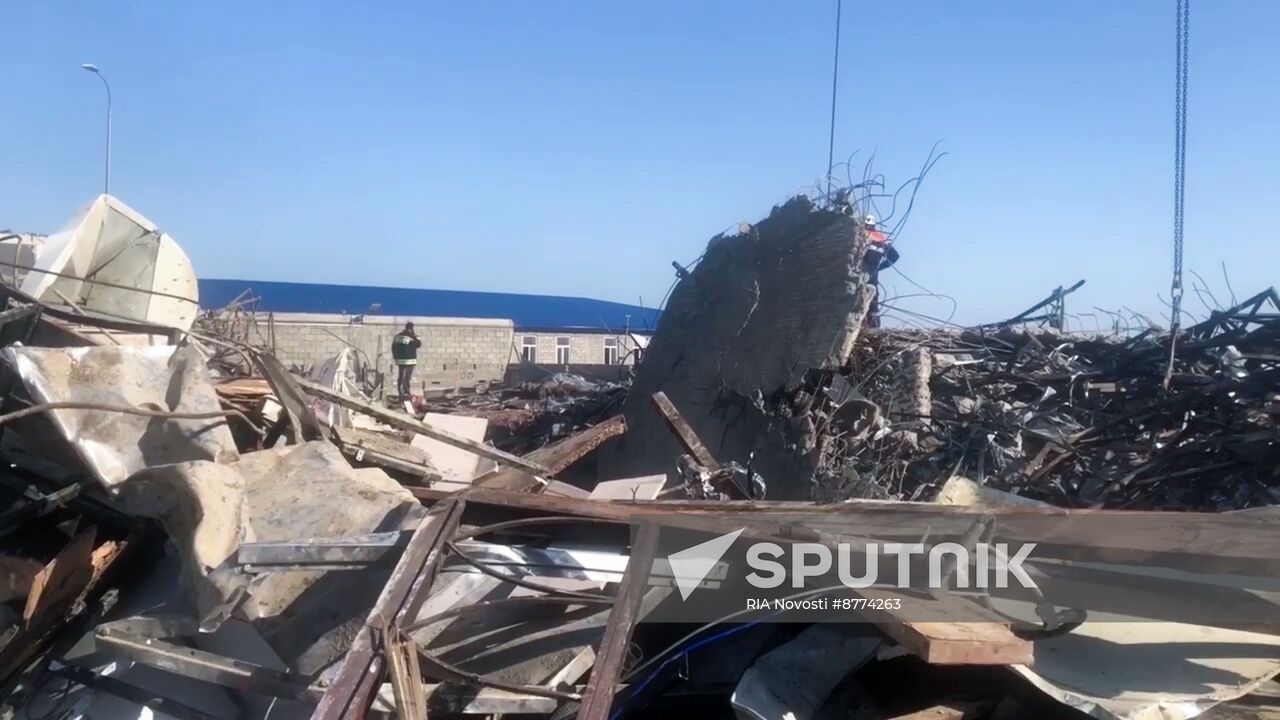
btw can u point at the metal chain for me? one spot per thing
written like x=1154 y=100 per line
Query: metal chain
x=1179 y=175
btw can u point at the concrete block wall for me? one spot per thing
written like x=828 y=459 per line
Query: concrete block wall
x=455 y=351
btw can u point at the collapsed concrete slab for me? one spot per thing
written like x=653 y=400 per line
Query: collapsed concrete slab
x=737 y=338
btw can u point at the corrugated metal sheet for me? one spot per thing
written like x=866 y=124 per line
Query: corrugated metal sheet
x=526 y=311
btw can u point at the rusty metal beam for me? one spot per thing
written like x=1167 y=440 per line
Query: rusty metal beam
x=598 y=697
x=556 y=457
x=202 y=665
x=685 y=434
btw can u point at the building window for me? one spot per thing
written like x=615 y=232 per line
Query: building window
x=562 y=351
x=610 y=351
x=529 y=349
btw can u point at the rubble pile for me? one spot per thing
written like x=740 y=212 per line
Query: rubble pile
x=190 y=530
x=1078 y=421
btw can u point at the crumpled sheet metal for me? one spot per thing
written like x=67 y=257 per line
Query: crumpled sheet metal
x=1151 y=670
x=113 y=445
x=1113 y=669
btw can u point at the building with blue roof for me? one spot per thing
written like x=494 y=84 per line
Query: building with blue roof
x=467 y=337
x=526 y=312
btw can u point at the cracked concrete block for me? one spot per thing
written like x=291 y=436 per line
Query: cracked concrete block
x=760 y=310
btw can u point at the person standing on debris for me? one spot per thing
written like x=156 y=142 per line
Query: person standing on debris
x=404 y=350
x=880 y=255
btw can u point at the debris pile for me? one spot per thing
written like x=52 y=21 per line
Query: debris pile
x=189 y=529
x=532 y=414
x=1078 y=421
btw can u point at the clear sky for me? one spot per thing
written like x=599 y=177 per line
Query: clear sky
x=579 y=147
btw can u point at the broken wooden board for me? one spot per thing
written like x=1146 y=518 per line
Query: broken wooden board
x=556 y=457
x=683 y=432
x=62 y=580
x=961 y=643
x=44 y=623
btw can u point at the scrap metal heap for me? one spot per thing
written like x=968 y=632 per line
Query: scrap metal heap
x=1078 y=421
x=191 y=530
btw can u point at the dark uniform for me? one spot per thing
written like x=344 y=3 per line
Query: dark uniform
x=404 y=350
x=880 y=255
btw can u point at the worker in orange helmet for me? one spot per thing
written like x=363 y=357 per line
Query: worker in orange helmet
x=880 y=255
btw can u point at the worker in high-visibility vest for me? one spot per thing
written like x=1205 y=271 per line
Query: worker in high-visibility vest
x=404 y=351
x=880 y=255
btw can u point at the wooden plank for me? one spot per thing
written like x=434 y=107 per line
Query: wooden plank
x=406 y=677
x=683 y=432
x=961 y=643
x=1233 y=543
x=404 y=422
x=559 y=455
x=62 y=580
x=556 y=457
x=597 y=699
x=23 y=646
x=353 y=686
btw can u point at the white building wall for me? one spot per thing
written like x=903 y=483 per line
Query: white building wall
x=584 y=348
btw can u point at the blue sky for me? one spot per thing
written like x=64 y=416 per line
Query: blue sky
x=579 y=147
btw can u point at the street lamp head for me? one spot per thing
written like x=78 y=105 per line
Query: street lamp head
x=90 y=67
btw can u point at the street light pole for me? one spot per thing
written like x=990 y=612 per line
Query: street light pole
x=106 y=183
